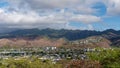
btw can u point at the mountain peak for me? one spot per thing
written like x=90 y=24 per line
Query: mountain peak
x=110 y=30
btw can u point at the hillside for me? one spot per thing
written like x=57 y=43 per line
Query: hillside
x=38 y=42
x=51 y=37
x=90 y=42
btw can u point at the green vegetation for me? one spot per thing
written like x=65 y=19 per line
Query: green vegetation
x=109 y=58
x=83 y=64
x=27 y=63
x=69 y=58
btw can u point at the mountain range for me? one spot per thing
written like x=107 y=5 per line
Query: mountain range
x=111 y=37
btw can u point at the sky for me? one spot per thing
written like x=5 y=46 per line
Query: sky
x=60 y=14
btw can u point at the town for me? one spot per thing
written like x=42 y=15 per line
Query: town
x=46 y=53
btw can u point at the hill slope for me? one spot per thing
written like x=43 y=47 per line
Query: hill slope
x=111 y=35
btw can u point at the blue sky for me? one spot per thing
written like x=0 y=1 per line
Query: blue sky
x=57 y=14
x=3 y=4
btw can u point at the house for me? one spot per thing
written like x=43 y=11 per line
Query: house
x=53 y=57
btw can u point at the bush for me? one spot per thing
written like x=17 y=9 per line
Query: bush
x=83 y=64
x=109 y=58
x=28 y=63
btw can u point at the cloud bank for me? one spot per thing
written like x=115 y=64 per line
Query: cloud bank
x=55 y=14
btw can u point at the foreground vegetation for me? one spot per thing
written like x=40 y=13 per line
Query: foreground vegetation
x=37 y=63
x=108 y=58
x=27 y=63
x=98 y=58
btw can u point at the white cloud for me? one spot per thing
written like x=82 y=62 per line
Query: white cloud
x=30 y=19
x=46 y=4
x=82 y=6
x=113 y=7
x=34 y=20
x=47 y=14
x=85 y=18
x=87 y=27
x=90 y=27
